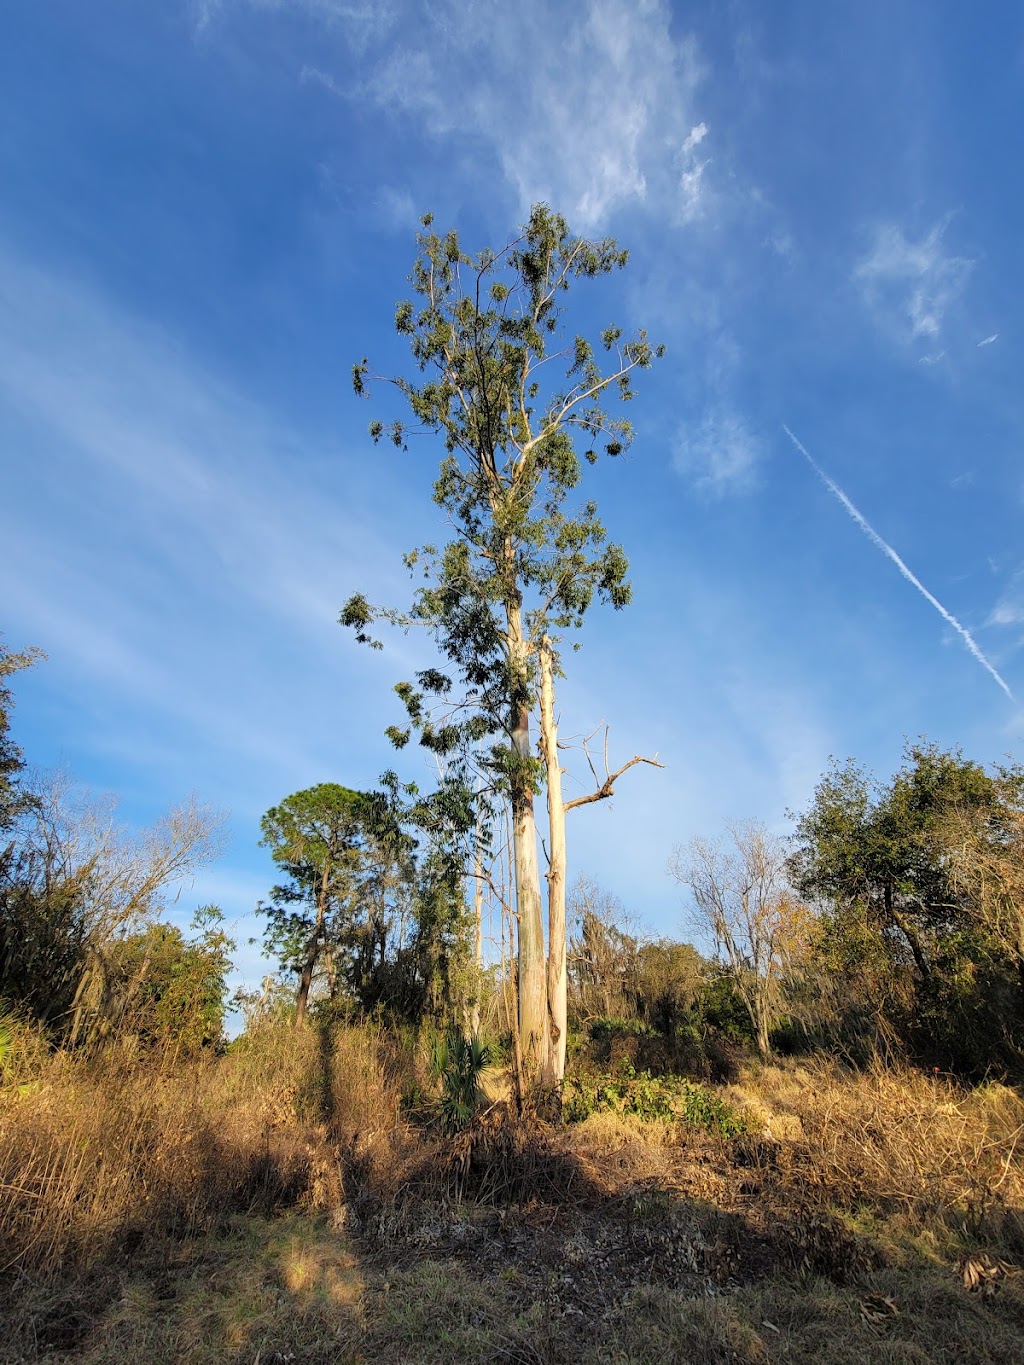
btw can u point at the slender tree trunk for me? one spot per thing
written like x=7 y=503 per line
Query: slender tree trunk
x=557 y=976
x=910 y=935
x=762 y=1026
x=312 y=949
x=306 y=977
x=332 y=975
x=478 y=930
x=533 y=1014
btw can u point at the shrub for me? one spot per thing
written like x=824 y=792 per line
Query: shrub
x=458 y=1063
x=650 y=1097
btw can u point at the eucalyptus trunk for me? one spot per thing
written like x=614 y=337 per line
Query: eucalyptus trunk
x=557 y=974
x=533 y=1013
x=478 y=932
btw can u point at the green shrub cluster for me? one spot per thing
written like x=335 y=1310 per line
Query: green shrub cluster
x=673 y=1098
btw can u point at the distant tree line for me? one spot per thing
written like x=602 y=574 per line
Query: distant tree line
x=890 y=922
x=83 y=950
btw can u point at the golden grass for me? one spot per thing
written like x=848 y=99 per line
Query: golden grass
x=96 y=1156
x=898 y=1141
x=273 y=1205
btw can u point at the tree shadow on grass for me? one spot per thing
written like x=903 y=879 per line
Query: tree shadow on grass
x=517 y=1242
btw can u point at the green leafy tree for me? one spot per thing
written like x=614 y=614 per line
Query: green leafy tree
x=382 y=925
x=919 y=880
x=510 y=393
x=171 y=991
x=12 y=796
x=319 y=838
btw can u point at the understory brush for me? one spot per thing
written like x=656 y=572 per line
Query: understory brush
x=670 y=1098
x=916 y=1149
x=281 y=1202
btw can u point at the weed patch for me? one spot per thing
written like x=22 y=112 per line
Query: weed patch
x=648 y=1097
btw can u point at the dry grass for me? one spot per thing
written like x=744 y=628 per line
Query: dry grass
x=273 y=1206
x=98 y=1156
x=907 y=1146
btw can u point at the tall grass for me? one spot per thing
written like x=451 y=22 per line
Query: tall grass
x=618 y=1238
x=895 y=1141
x=98 y=1155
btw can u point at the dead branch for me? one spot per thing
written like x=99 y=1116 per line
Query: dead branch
x=606 y=788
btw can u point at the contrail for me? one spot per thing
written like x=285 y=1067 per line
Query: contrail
x=887 y=549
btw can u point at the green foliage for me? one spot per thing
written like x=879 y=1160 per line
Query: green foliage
x=650 y=987
x=721 y=1008
x=8 y=1025
x=921 y=932
x=13 y=798
x=670 y=983
x=172 y=990
x=372 y=919
x=649 y=1097
x=603 y=1030
x=44 y=934
x=458 y=1064
x=482 y=330
x=346 y=861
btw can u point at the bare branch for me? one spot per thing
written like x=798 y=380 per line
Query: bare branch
x=607 y=787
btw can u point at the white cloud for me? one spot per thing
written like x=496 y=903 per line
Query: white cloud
x=695 y=137
x=911 y=285
x=989 y=340
x=1007 y=613
x=596 y=114
x=1009 y=610
x=691 y=190
x=720 y=456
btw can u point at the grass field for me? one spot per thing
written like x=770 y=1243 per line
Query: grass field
x=278 y=1204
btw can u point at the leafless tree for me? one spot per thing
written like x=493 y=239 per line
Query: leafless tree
x=76 y=851
x=741 y=895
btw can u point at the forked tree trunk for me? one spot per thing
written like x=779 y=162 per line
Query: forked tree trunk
x=556 y=974
x=533 y=1013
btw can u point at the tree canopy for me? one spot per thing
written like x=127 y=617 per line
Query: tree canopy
x=920 y=883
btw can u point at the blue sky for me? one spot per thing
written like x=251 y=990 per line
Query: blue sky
x=208 y=212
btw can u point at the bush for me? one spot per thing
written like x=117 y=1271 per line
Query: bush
x=649 y=1097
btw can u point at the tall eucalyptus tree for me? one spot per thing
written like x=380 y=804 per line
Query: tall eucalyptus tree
x=510 y=393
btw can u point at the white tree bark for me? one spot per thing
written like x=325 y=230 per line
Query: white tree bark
x=557 y=975
x=533 y=1014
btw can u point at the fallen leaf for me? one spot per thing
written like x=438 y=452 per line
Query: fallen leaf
x=878 y=1310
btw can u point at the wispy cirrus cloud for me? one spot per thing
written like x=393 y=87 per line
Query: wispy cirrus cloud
x=163 y=547
x=1009 y=610
x=600 y=113
x=912 y=285
x=720 y=455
